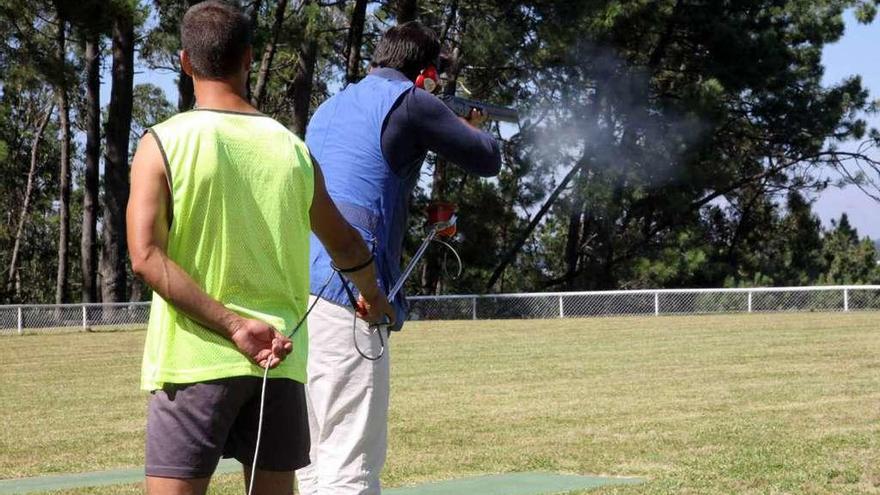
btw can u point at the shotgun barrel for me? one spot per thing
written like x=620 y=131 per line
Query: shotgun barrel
x=462 y=107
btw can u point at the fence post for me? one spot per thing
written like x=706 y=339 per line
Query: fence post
x=561 y=311
x=846 y=299
x=20 y=322
x=656 y=304
x=474 y=307
x=750 y=301
x=85 y=318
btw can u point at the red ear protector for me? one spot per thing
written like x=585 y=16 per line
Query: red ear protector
x=428 y=79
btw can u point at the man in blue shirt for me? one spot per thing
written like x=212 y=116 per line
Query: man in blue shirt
x=371 y=140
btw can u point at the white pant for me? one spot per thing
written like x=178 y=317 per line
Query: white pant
x=347 y=398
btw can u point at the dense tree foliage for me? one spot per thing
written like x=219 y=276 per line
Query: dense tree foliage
x=662 y=143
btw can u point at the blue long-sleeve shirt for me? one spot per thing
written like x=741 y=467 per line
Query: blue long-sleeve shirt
x=371 y=140
x=420 y=122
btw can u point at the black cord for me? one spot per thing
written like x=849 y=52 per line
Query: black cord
x=353 y=301
x=358 y=347
x=318 y=296
x=353 y=320
x=354 y=268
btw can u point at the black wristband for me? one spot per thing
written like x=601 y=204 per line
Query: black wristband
x=354 y=268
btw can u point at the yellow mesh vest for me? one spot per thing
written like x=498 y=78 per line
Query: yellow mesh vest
x=241 y=186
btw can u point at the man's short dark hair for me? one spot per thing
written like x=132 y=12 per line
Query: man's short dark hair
x=408 y=47
x=215 y=35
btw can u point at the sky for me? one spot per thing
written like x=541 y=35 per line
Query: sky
x=855 y=53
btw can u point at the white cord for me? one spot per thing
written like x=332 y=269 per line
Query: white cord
x=259 y=427
x=266 y=376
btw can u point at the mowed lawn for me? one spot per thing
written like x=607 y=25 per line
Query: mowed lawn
x=697 y=404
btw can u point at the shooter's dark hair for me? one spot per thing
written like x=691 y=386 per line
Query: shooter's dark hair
x=409 y=47
x=215 y=35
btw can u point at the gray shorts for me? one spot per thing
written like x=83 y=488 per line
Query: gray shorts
x=190 y=426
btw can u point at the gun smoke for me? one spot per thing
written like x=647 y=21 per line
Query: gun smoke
x=601 y=110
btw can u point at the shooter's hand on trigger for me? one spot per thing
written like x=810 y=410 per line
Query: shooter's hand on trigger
x=375 y=310
x=475 y=118
x=261 y=342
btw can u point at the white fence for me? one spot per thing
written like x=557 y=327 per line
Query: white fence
x=645 y=302
x=39 y=318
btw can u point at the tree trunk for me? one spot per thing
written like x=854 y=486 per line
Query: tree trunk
x=253 y=14
x=573 y=239
x=89 y=245
x=572 y=243
x=268 y=55
x=186 y=96
x=113 y=259
x=137 y=290
x=406 y=10
x=448 y=24
x=355 y=39
x=510 y=255
x=64 y=172
x=431 y=273
x=300 y=89
x=659 y=50
x=19 y=229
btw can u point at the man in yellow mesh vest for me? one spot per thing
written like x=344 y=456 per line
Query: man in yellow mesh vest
x=222 y=202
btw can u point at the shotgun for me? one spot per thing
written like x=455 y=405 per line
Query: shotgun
x=462 y=107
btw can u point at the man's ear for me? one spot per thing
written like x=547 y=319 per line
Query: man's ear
x=186 y=63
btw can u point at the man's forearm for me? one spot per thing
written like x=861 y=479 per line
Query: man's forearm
x=440 y=130
x=171 y=282
x=351 y=253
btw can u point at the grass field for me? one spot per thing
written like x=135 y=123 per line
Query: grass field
x=700 y=404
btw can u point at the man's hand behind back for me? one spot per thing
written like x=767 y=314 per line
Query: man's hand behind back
x=261 y=342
